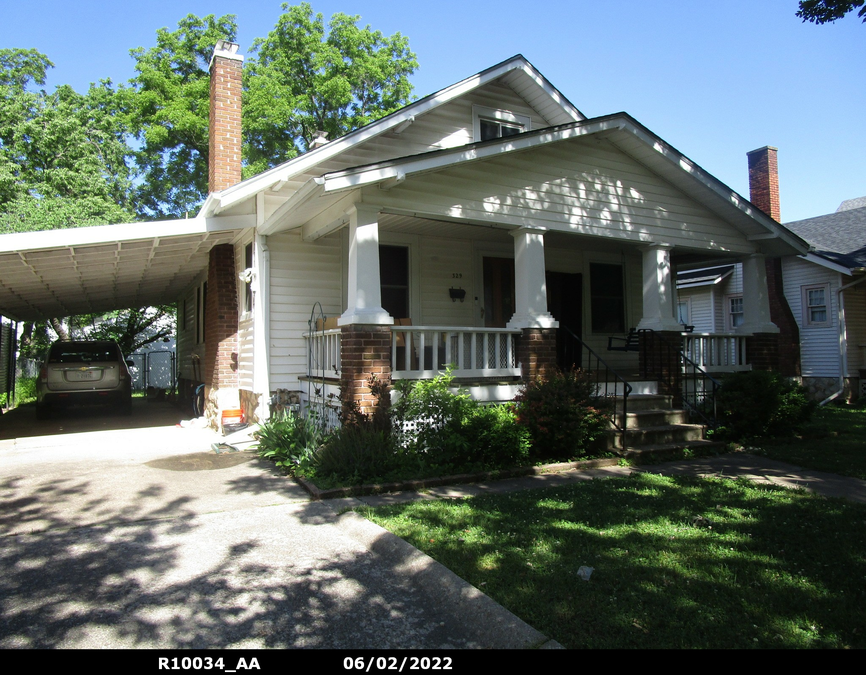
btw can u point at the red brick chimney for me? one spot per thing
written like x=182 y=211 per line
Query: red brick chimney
x=224 y=148
x=764 y=193
x=764 y=180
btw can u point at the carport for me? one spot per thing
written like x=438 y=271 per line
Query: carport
x=59 y=273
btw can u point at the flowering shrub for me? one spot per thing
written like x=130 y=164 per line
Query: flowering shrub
x=562 y=414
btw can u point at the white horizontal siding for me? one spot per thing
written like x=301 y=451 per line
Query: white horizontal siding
x=302 y=273
x=819 y=345
x=701 y=307
x=441 y=260
x=574 y=187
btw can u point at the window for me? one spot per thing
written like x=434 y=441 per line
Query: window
x=394 y=280
x=735 y=311
x=816 y=305
x=607 y=293
x=200 y=312
x=248 y=283
x=490 y=123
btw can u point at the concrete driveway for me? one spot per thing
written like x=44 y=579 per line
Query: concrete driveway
x=142 y=537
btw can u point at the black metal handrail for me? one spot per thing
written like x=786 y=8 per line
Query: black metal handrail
x=690 y=385
x=602 y=384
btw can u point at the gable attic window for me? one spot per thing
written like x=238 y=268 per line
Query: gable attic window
x=490 y=123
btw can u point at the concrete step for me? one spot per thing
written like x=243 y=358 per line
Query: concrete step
x=658 y=435
x=641 y=402
x=653 y=418
x=662 y=449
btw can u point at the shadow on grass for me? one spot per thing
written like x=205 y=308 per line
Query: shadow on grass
x=679 y=562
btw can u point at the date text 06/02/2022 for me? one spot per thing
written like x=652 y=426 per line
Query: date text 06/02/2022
x=207 y=663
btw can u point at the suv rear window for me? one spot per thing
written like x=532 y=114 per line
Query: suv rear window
x=76 y=353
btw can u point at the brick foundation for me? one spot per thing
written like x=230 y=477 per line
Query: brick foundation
x=762 y=351
x=660 y=359
x=536 y=352
x=365 y=350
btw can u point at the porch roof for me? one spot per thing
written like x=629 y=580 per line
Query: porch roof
x=97 y=269
x=323 y=200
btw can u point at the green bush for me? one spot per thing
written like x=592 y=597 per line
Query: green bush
x=761 y=403
x=357 y=454
x=494 y=437
x=562 y=414
x=25 y=391
x=288 y=440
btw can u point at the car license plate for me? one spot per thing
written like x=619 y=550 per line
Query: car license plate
x=82 y=375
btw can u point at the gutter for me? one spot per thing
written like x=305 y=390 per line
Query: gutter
x=843 y=340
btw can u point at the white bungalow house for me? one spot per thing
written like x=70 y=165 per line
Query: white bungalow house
x=472 y=227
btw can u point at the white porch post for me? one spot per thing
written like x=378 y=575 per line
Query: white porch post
x=756 y=297
x=364 y=291
x=530 y=288
x=658 y=290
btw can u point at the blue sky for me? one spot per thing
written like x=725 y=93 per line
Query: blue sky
x=714 y=79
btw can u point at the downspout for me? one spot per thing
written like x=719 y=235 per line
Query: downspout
x=843 y=342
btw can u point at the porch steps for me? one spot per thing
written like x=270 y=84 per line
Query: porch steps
x=656 y=427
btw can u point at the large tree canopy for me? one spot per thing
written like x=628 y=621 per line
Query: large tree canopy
x=827 y=11
x=62 y=154
x=304 y=78
x=301 y=78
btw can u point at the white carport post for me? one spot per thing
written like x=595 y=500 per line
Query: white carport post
x=364 y=289
x=530 y=287
x=658 y=290
x=756 y=297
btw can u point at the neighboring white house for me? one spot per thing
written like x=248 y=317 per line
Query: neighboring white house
x=823 y=289
x=465 y=228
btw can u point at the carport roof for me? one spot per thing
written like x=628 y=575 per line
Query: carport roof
x=58 y=273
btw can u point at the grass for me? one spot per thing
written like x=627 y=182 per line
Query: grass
x=834 y=441
x=679 y=563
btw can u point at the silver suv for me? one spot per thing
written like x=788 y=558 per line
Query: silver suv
x=83 y=372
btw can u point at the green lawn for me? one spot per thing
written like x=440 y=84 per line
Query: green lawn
x=834 y=441
x=679 y=563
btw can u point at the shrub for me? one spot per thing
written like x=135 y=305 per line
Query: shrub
x=562 y=414
x=761 y=403
x=287 y=440
x=494 y=437
x=357 y=454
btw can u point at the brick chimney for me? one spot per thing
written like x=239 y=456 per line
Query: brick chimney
x=224 y=147
x=764 y=180
x=764 y=193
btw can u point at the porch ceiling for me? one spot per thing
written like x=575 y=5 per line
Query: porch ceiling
x=59 y=273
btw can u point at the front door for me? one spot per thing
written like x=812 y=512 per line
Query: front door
x=498 y=291
x=565 y=303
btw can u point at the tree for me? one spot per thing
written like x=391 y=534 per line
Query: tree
x=132 y=328
x=299 y=79
x=303 y=78
x=828 y=11
x=167 y=105
x=62 y=155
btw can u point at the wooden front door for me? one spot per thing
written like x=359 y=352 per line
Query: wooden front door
x=498 y=291
x=565 y=303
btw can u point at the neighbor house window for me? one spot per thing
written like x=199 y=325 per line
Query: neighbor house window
x=735 y=311
x=607 y=295
x=816 y=301
x=394 y=280
x=491 y=123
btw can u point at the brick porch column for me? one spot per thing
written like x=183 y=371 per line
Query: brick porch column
x=365 y=350
x=536 y=352
x=762 y=351
x=221 y=333
x=660 y=358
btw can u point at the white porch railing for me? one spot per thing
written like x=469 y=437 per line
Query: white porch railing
x=323 y=353
x=717 y=352
x=420 y=352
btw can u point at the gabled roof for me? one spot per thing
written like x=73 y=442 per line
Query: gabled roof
x=521 y=75
x=848 y=204
x=839 y=236
x=620 y=129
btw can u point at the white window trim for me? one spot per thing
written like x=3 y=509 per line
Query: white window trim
x=807 y=315
x=688 y=303
x=729 y=315
x=481 y=112
x=246 y=313
x=411 y=242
